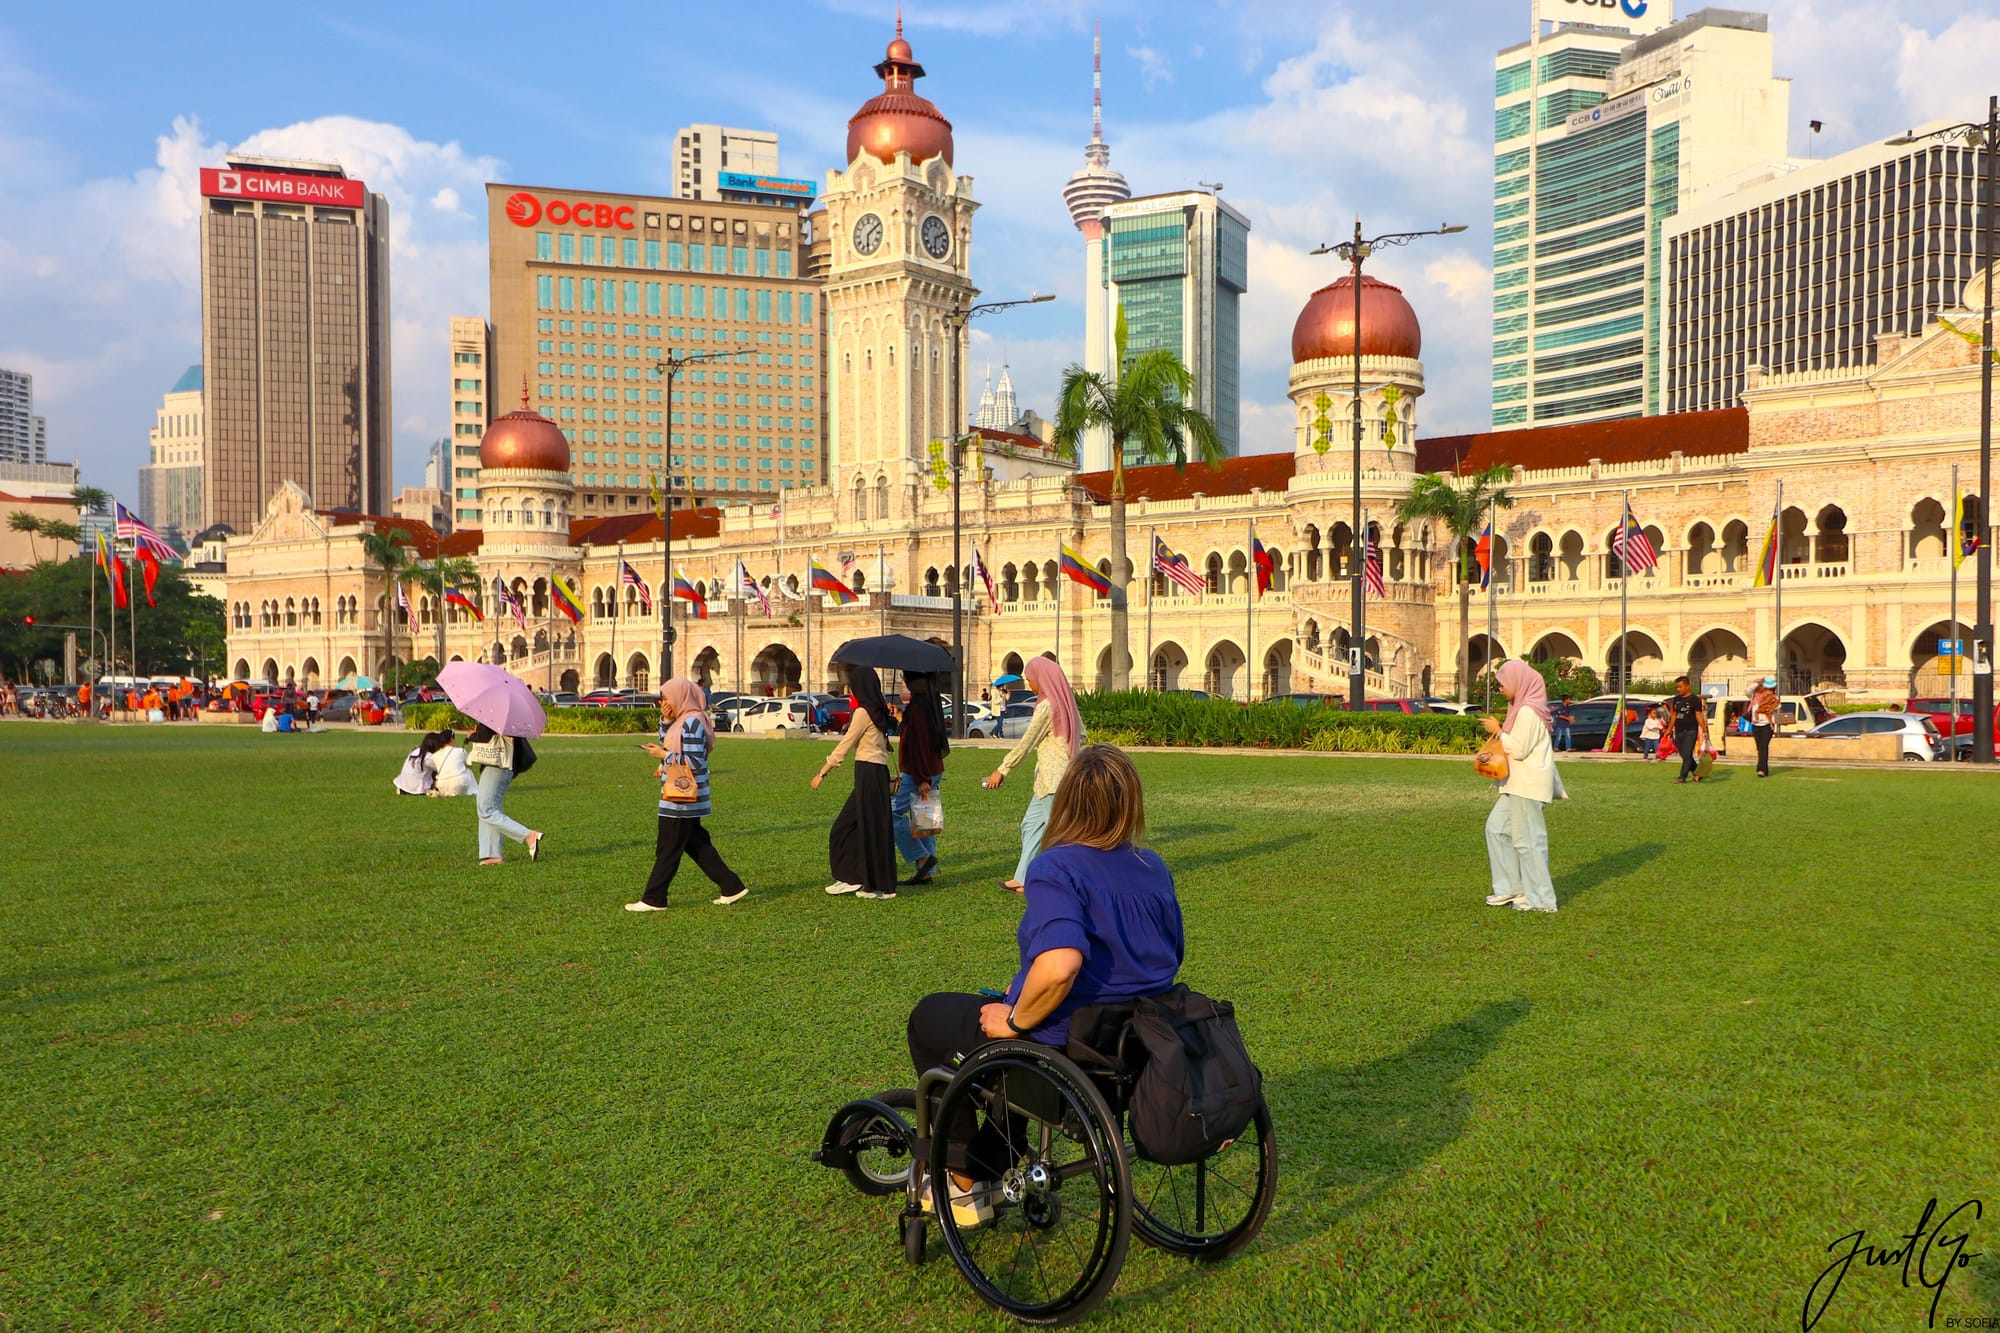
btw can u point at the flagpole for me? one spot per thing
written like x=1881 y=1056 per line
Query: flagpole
x=617 y=600
x=91 y=712
x=1778 y=583
x=110 y=554
x=1624 y=604
x=1250 y=613
x=1152 y=572
x=132 y=603
x=1954 y=548
x=1492 y=592
x=805 y=680
x=551 y=619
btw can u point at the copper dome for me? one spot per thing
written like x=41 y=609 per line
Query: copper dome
x=524 y=439
x=899 y=118
x=1326 y=326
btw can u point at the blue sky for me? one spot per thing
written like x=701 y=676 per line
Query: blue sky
x=1307 y=112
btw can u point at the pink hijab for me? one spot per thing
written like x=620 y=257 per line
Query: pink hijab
x=1048 y=682
x=687 y=700
x=1529 y=690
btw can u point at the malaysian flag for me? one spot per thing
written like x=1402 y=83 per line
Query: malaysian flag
x=1371 y=566
x=403 y=600
x=504 y=599
x=986 y=577
x=630 y=576
x=1176 y=568
x=1634 y=551
x=746 y=584
x=131 y=528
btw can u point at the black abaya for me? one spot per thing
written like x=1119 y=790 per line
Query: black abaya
x=861 y=846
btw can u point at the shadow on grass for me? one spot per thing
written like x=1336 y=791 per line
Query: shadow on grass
x=1610 y=866
x=1181 y=864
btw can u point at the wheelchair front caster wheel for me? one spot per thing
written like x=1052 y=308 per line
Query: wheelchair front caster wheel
x=913 y=1239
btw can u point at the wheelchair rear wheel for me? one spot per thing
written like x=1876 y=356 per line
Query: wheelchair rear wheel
x=1053 y=1171
x=1210 y=1209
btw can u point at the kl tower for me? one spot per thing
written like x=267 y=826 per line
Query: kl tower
x=1089 y=192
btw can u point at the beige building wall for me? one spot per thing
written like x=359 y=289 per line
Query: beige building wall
x=471 y=410
x=703 y=152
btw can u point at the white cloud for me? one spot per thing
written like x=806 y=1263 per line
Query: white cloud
x=988 y=18
x=1154 y=67
x=115 y=262
x=1942 y=77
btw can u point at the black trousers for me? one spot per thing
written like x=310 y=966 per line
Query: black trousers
x=1688 y=743
x=680 y=835
x=1762 y=735
x=943 y=1027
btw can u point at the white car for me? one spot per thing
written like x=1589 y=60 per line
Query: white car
x=776 y=715
x=1010 y=723
x=1920 y=738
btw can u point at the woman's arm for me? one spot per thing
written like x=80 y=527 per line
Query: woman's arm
x=1038 y=727
x=857 y=727
x=1045 y=987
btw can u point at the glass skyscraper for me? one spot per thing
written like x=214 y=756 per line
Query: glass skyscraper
x=1178 y=265
x=1602 y=132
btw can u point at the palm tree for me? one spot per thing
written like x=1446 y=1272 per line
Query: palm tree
x=1146 y=408
x=389 y=551
x=23 y=521
x=61 y=530
x=90 y=499
x=457 y=573
x=1462 y=504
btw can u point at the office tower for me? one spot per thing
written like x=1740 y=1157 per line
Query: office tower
x=1178 y=265
x=295 y=338
x=591 y=291
x=1802 y=263
x=1603 y=131
x=23 y=435
x=1093 y=189
x=702 y=153
x=170 y=484
x=471 y=408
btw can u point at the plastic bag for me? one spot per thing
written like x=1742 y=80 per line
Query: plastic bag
x=927 y=815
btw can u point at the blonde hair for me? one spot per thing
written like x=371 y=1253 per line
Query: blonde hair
x=1099 y=803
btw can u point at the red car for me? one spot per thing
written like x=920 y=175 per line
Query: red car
x=1393 y=706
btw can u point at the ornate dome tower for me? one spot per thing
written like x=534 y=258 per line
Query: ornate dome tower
x=899 y=119
x=524 y=487
x=1324 y=344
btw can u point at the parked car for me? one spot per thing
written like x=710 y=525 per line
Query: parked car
x=1956 y=727
x=605 y=698
x=1921 y=740
x=776 y=715
x=726 y=714
x=1310 y=700
x=339 y=710
x=838 y=708
x=974 y=711
x=1449 y=706
x=561 y=699
x=1010 y=723
x=1392 y=706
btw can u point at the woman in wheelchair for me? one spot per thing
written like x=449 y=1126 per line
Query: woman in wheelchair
x=1102 y=924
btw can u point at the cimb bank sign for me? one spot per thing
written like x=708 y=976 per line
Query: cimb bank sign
x=1637 y=17
x=281 y=187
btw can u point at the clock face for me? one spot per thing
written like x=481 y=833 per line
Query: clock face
x=937 y=237
x=868 y=234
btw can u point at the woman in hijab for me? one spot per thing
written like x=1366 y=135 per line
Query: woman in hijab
x=685 y=737
x=1053 y=735
x=861 y=847
x=922 y=742
x=1763 y=712
x=1517 y=841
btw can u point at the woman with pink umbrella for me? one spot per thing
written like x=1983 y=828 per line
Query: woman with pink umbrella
x=508 y=714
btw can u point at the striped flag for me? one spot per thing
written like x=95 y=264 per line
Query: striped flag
x=986 y=577
x=630 y=577
x=131 y=528
x=1767 y=562
x=824 y=581
x=1371 y=566
x=747 y=584
x=690 y=594
x=1077 y=569
x=504 y=599
x=1176 y=567
x=1482 y=551
x=1261 y=559
x=453 y=597
x=566 y=599
x=1634 y=551
x=403 y=600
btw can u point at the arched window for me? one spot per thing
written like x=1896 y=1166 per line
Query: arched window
x=881 y=497
x=1830 y=539
x=1010 y=587
x=1541 y=558
x=931 y=582
x=1214 y=567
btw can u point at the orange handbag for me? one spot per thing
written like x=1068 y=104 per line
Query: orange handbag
x=677 y=783
x=1491 y=760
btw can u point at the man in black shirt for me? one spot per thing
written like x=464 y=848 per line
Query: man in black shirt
x=1687 y=714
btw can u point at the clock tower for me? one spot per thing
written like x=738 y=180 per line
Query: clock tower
x=899 y=224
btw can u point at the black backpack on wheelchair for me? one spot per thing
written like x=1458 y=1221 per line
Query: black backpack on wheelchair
x=1196 y=1088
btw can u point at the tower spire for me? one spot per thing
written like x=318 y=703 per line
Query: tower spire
x=1097 y=84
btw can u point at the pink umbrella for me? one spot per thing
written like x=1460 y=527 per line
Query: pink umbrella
x=494 y=696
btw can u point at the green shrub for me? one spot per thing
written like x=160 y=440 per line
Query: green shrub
x=562 y=721
x=1139 y=717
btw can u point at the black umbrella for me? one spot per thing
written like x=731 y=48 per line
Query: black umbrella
x=899 y=652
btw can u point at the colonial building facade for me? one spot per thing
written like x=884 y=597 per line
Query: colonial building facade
x=1864 y=455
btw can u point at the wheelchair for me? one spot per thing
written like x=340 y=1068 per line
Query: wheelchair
x=1071 y=1188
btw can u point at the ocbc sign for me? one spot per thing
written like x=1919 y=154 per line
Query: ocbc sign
x=1634 y=9
x=525 y=210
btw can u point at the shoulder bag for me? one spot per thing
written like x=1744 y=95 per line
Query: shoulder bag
x=678 y=785
x=1198 y=1088
x=1491 y=760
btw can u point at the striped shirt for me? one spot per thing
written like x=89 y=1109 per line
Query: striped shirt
x=693 y=749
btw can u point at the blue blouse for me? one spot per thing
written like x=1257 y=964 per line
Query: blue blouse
x=1118 y=908
x=693 y=747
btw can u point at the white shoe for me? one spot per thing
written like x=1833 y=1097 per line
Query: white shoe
x=1506 y=899
x=871 y=893
x=1525 y=906
x=643 y=906
x=969 y=1207
x=729 y=898
x=840 y=886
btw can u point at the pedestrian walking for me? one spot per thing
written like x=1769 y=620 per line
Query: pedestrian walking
x=921 y=746
x=1053 y=735
x=312 y=709
x=1649 y=735
x=861 y=845
x=1563 y=719
x=1763 y=712
x=1517 y=838
x=686 y=737
x=1687 y=717
x=496 y=759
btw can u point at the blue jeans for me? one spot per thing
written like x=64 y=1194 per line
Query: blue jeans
x=1561 y=739
x=913 y=849
x=1649 y=747
x=494 y=823
x=1033 y=824
x=1517 y=849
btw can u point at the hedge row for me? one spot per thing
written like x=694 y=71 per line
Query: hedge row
x=562 y=721
x=1138 y=717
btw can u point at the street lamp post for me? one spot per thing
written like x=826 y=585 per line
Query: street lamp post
x=956 y=319
x=1354 y=252
x=671 y=368
x=1987 y=136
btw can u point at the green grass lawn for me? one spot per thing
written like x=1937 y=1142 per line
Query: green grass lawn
x=278 y=1055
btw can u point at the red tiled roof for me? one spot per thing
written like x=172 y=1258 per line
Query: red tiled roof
x=1015 y=438
x=465 y=541
x=1164 y=481
x=645 y=527
x=1633 y=440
